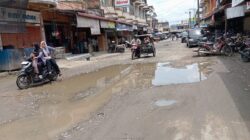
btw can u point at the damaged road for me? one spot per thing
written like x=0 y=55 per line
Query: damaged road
x=173 y=96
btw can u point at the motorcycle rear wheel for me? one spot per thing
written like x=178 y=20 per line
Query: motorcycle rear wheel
x=133 y=55
x=228 y=51
x=53 y=76
x=244 y=58
x=23 y=81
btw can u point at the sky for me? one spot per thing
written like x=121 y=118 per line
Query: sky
x=173 y=10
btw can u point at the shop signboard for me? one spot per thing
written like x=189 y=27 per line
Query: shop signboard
x=107 y=25
x=121 y=3
x=95 y=30
x=236 y=2
x=235 y=12
x=134 y=27
x=123 y=27
x=18 y=15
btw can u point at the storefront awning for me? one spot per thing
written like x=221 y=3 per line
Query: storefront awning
x=93 y=24
x=235 y=12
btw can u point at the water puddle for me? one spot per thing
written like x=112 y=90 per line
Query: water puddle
x=61 y=105
x=163 y=102
x=166 y=74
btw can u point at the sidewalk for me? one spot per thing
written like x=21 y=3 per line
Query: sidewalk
x=81 y=61
x=73 y=61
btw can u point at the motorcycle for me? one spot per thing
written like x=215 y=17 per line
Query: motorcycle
x=111 y=47
x=245 y=51
x=27 y=77
x=220 y=47
x=135 y=49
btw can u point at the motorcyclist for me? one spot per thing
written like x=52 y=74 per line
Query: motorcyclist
x=146 y=40
x=47 y=58
x=35 y=59
x=136 y=41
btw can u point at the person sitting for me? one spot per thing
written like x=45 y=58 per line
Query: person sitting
x=46 y=52
x=146 y=40
x=136 y=41
x=34 y=57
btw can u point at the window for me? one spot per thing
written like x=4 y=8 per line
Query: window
x=107 y=3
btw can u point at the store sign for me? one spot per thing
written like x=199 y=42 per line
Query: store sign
x=95 y=30
x=18 y=15
x=235 y=12
x=236 y=2
x=134 y=27
x=122 y=3
x=93 y=24
x=107 y=25
x=248 y=5
x=123 y=27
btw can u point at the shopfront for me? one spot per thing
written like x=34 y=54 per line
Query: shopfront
x=109 y=34
x=124 y=31
x=20 y=38
x=19 y=30
x=235 y=19
x=58 y=30
x=87 y=35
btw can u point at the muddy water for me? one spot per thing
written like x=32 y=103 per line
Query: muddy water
x=163 y=102
x=61 y=105
x=167 y=74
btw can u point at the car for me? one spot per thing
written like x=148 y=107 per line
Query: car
x=159 y=36
x=194 y=37
x=184 y=36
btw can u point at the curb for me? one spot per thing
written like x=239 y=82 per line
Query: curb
x=6 y=74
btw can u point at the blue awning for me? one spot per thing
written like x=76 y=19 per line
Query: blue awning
x=123 y=27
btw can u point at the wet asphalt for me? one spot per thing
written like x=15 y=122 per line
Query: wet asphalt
x=175 y=96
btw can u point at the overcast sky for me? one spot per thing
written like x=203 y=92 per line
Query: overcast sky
x=172 y=10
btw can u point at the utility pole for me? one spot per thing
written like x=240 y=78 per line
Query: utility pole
x=189 y=19
x=198 y=13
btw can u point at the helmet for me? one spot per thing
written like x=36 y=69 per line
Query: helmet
x=36 y=49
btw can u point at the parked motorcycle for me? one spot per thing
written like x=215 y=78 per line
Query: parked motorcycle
x=26 y=77
x=128 y=44
x=111 y=47
x=245 y=51
x=220 y=47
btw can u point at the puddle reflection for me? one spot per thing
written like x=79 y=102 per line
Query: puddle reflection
x=166 y=74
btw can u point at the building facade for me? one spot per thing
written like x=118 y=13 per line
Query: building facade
x=226 y=15
x=72 y=26
x=163 y=26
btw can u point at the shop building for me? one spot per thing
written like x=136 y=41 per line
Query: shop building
x=21 y=27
